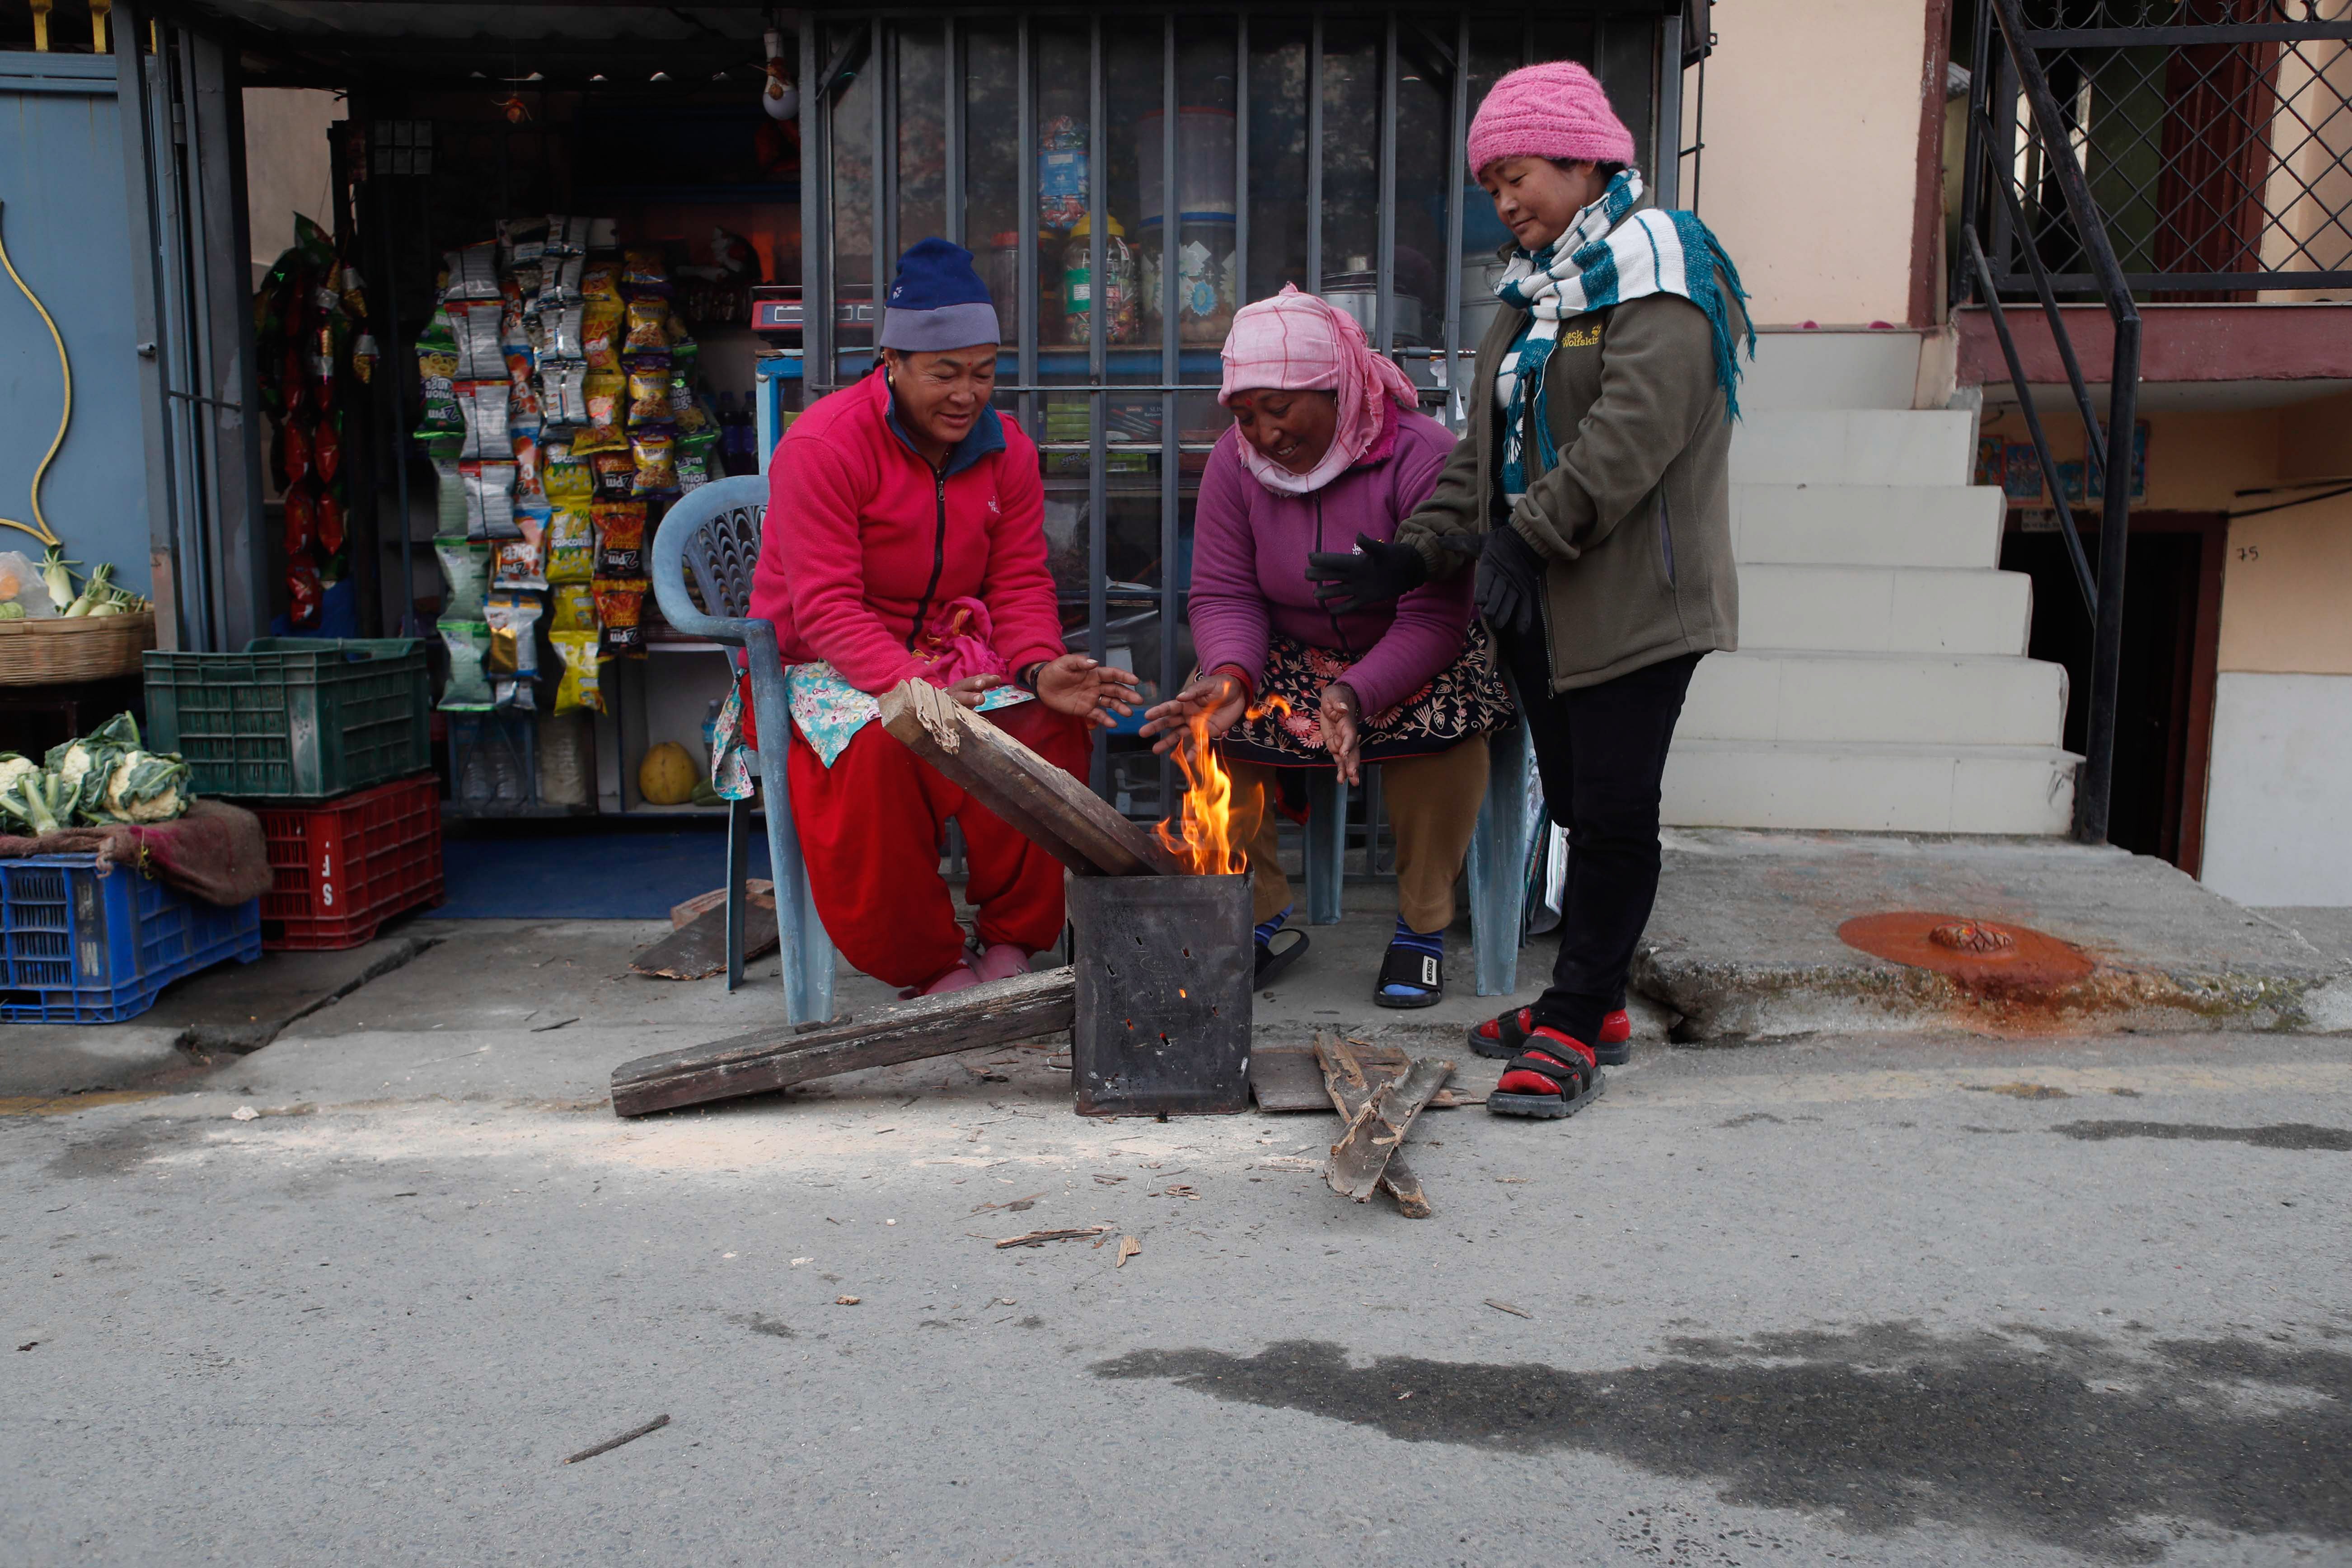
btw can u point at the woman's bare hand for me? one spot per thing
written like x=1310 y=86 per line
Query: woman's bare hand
x=1085 y=689
x=1220 y=694
x=969 y=690
x=1341 y=719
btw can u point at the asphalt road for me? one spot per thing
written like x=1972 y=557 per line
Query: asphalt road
x=1915 y=1301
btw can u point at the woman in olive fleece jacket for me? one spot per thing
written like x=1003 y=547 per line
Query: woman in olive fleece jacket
x=1594 y=488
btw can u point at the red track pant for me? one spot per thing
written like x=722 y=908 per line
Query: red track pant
x=871 y=826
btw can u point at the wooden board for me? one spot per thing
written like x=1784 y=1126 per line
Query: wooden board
x=758 y=889
x=997 y=1014
x=1350 y=1086
x=1288 y=1078
x=1049 y=808
x=698 y=950
x=1377 y=1130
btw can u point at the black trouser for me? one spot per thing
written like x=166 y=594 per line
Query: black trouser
x=1601 y=750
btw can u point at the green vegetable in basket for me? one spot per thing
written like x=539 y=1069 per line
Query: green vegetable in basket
x=147 y=786
x=28 y=796
x=13 y=767
x=11 y=610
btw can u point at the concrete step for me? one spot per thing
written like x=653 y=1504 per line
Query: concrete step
x=1853 y=446
x=1829 y=787
x=1900 y=698
x=1884 y=609
x=1831 y=368
x=1866 y=525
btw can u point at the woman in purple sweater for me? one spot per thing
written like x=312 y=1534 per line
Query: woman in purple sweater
x=1327 y=447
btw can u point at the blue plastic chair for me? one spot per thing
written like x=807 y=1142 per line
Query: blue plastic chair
x=1498 y=858
x=714 y=533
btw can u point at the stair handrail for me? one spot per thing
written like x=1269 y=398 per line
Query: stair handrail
x=2109 y=452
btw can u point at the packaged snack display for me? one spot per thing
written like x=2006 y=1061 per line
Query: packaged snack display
x=468 y=643
x=437 y=375
x=513 y=658
x=563 y=392
x=301 y=520
x=473 y=272
x=573 y=608
x=480 y=355
x=519 y=564
x=331 y=521
x=466 y=573
x=620 y=539
x=620 y=604
x=566 y=236
x=655 y=453
x=527 y=458
x=649 y=390
x=449 y=516
x=601 y=280
x=327 y=449
x=608 y=392
x=524 y=411
x=562 y=331
x=294 y=455
x=570 y=545
x=560 y=281
x=644 y=270
x=489 y=500
x=581 y=690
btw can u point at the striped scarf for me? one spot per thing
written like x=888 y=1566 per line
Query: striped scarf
x=1610 y=253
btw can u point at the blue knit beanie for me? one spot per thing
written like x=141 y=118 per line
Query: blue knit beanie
x=938 y=301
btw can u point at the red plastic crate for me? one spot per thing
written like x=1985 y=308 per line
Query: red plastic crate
x=345 y=866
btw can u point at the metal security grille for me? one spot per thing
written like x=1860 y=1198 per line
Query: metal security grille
x=2214 y=135
x=1195 y=160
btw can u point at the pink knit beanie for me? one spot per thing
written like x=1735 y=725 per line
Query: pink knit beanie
x=1555 y=110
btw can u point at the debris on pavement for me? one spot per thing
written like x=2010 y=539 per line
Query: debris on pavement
x=244 y=1113
x=553 y=1023
x=1040 y=1237
x=1016 y=1205
x=1380 y=1101
x=631 y=1435
x=1127 y=1247
x=846 y=1301
x=1507 y=1306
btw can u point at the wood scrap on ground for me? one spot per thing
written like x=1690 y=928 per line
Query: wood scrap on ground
x=1290 y=1078
x=1374 y=1134
x=1049 y=808
x=1040 y=1237
x=758 y=889
x=698 y=950
x=1351 y=1082
x=775 y=1058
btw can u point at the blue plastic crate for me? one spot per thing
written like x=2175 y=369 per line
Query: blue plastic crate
x=79 y=948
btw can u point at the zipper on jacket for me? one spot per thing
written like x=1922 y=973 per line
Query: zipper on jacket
x=939 y=551
x=1332 y=616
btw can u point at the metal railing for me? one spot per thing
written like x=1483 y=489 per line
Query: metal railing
x=2168 y=149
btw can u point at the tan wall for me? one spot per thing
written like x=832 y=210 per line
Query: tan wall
x=286 y=169
x=2287 y=579
x=1811 y=161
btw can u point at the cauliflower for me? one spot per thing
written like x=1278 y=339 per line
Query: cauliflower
x=145 y=787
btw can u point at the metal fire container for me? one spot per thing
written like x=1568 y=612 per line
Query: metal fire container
x=1164 y=965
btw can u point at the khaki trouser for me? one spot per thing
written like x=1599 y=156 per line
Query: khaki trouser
x=1432 y=807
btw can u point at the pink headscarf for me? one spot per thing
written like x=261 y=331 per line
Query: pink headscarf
x=1297 y=342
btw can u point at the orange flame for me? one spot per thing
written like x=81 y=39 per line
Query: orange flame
x=1203 y=837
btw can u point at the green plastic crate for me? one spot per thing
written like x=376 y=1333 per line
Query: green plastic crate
x=293 y=718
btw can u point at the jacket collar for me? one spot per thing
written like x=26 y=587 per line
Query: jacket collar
x=986 y=439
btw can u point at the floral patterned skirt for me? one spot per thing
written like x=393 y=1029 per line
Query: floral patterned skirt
x=1466 y=698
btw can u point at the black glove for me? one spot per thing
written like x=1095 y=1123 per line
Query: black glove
x=1510 y=583
x=1371 y=574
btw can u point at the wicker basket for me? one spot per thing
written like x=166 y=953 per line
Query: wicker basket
x=42 y=653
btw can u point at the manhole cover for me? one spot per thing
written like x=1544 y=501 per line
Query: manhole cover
x=1981 y=954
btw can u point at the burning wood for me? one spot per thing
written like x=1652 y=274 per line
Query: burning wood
x=1204 y=840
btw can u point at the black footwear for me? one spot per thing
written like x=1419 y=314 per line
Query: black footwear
x=1424 y=972
x=1558 y=1077
x=1275 y=955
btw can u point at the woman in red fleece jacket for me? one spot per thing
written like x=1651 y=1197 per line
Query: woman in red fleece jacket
x=905 y=537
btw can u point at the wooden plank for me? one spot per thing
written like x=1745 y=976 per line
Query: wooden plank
x=1361 y=1156
x=1349 y=1082
x=758 y=889
x=1045 y=804
x=1286 y=1078
x=997 y=1014
x=698 y=950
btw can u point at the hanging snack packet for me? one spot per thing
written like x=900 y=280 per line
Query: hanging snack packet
x=450 y=494
x=656 y=455
x=293 y=454
x=620 y=539
x=514 y=337
x=575 y=608
x=489 y=500
x=580 y=690
x=566 y=236
x=473 y=272
x=564 y=393
x=484 y=404
x=479 y=356
x=521 y=240
x=527 y=460
x=570 y=545
x=327 y=447
x=616 y=474
x=649 y=390
x=644 y=269
x=600 y=333
x=464 y=575
x=330 y=520
x=560 y=282
x=607 y=390
x=698 y=456
x=436 y=376
x=620 y=604
x=563 y=329
x=513 y=620
x=520 y=564
x=302 y=518
x=648 y=326
x=566 y=479
x=468 y=643
x=601 y=280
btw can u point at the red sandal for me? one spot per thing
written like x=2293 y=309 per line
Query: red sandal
x=1554 y=1077
x=1502 y=1039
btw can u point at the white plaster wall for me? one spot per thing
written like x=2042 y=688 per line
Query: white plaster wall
x=2278 y=813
